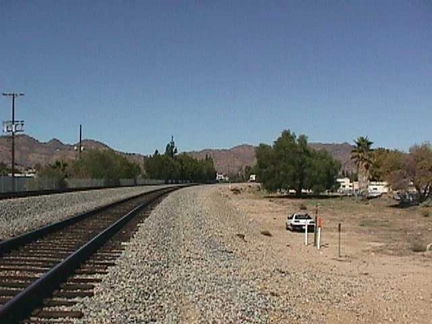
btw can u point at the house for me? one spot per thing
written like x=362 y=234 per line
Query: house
x=346 y=186
x=221 y=177
x=375 y=188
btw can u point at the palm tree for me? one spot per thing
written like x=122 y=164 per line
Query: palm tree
x=362 y=155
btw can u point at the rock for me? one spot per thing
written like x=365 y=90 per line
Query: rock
x=241 y=236
x=266 y=233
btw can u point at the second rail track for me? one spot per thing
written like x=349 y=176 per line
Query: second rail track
x=37 y=269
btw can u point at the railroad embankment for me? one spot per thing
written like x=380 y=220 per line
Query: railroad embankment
x=208 y=255
x=24 y=214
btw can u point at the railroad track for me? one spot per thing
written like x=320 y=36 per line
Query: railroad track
x=43 y=273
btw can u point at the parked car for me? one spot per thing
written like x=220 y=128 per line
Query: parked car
x=299 y=221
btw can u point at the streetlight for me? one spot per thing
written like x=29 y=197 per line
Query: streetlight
x=11 y=127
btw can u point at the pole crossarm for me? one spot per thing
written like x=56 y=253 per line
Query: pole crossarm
x=12 y=94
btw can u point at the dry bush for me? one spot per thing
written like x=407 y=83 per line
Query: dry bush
x=236 y=191
x=418 y=246
x=303 y=207
x=425 y=213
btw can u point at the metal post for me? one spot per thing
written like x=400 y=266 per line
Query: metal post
x=13 y=143
x=339 y=230
x=306 y=232
x=80 y=142
x=13 y=95
x=316 y=225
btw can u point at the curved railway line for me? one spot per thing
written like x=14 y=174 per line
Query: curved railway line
x=43 y=273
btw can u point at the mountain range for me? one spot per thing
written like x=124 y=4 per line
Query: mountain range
x=29 y=152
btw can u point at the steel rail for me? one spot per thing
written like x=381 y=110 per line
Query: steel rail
x=20 y=306
x=13 y=243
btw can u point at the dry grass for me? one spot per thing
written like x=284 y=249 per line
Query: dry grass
x=399 y=231
x=379 y=241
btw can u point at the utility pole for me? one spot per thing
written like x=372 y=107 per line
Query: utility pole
x=11 y=127
x=80 y=143
x=79 y=148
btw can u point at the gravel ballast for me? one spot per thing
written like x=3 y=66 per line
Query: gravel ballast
x=178 y=270
x=197 y=259
x=24 y=214
x=209 y=254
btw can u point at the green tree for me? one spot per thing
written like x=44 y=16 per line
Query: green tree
x=292 y=164
x=171 y=149
x=57 y=171
x=151 y=166
x=188 y=167
x=362 y=155
x=161 y=167
x=104 y=164
x=208 y=169
x=4 y=170
x=172 y=167
x=321 y=172
x=267 y=167
x=292 y=156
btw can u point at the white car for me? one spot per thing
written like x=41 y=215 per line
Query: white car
x=299 y=221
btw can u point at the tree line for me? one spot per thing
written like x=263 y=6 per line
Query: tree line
x=171 y=166
x=111 y=166
x=401 y=170
x=290 y=164
x=93 y=164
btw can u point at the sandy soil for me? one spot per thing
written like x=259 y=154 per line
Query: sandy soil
x=391 y=283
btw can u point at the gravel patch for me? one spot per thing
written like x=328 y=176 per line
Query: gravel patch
x=197 y=259
x=24 y=214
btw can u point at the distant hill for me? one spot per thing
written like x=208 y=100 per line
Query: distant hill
x=29 y=151
x=229 y=161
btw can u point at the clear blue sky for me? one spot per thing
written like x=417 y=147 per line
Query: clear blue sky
x=216 y=74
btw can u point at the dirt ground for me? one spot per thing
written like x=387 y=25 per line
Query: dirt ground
x=382 y=246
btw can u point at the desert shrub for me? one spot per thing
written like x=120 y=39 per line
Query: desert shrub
x=236 y=191
x=427 y=203
x=425 y=213
x=418 y=245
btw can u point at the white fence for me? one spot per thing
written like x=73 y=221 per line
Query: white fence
x=36 y=183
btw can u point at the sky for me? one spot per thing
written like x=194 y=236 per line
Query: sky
x=216 y=74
